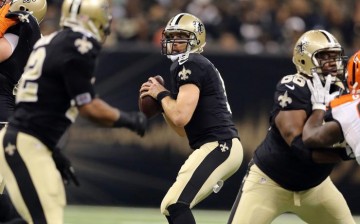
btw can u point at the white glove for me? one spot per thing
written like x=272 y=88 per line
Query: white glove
x=320 y=96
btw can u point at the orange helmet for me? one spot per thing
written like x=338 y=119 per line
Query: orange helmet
x=353 y=73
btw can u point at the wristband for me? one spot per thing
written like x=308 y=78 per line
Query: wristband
x=162 y=95
x=319 y=106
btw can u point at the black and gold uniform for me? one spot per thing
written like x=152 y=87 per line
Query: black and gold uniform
x=56 y=85
x=283 y=176
x=197 y=92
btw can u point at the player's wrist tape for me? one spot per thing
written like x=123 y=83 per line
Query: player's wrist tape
x=162 y=95
x=319 y=106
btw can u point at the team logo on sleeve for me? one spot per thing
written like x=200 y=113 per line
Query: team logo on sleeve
x=284 y=100
x=83 y=45
x=184 y=73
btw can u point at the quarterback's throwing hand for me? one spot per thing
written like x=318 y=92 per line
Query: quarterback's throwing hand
x=320 y=96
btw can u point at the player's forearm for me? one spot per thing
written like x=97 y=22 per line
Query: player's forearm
x=100 y=112
x=179 y=130
x=174 y=112
x=312 y=131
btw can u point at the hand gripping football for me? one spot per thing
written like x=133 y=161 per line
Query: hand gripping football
x=150 y=106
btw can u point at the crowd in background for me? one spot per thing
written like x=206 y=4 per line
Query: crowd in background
x=249 y=26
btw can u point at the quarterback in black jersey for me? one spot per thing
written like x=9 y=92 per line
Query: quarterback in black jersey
x=17 y=39
x=285 y=175
x=196 y=107
x=56 y=85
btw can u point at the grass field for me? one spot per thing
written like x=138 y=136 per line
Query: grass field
x=128 y=215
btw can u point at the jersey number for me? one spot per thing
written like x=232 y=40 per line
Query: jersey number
x=296 y=79
x=27 y=88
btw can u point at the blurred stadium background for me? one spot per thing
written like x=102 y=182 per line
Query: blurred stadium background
x=250 y=41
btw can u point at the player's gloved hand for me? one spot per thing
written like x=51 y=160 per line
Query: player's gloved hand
x=135 y=121
x=5 y=22
x=22 y=16
x=65 y=168
x=320 y=96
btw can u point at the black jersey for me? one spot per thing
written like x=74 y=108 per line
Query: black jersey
x=274 y=156
x=212 y=118
x=57 y=78
x=12 y=68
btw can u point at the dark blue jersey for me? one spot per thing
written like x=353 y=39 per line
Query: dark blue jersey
x=12 y=68
x=57 y=78
x=274 y=156
x=212 y=118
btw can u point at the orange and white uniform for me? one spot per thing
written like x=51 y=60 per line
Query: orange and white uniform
x=346 y=111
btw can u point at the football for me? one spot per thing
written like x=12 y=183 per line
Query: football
x=150 y=106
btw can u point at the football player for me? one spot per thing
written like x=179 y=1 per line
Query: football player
x=285 y=175
x=196 y=106
x=19 y=30
x=345 y=112
x=56 y=85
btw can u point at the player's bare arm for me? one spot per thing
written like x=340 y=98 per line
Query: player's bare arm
x=317 y=134
x=100 y=112
x=179 y=130
x=6 y=49
x=290 y=124
x=181 y=110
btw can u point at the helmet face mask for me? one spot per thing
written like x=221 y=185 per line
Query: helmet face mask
x=319 y=51
x=353 y=73
x=37 y=8
x=90 y=15
x=176 y=42
x=184 y=31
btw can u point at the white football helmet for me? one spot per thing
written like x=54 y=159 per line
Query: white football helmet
x=308 y=49
x=90 y=15
x=194 y=35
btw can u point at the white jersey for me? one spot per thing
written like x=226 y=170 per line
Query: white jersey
x=346 y=110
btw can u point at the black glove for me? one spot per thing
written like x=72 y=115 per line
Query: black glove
x=135 y=121
x=65 y=168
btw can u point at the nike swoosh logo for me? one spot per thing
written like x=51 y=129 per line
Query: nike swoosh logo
x=290 y=87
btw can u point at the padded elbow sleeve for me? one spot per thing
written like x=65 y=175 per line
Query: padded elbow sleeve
x=300 y=150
